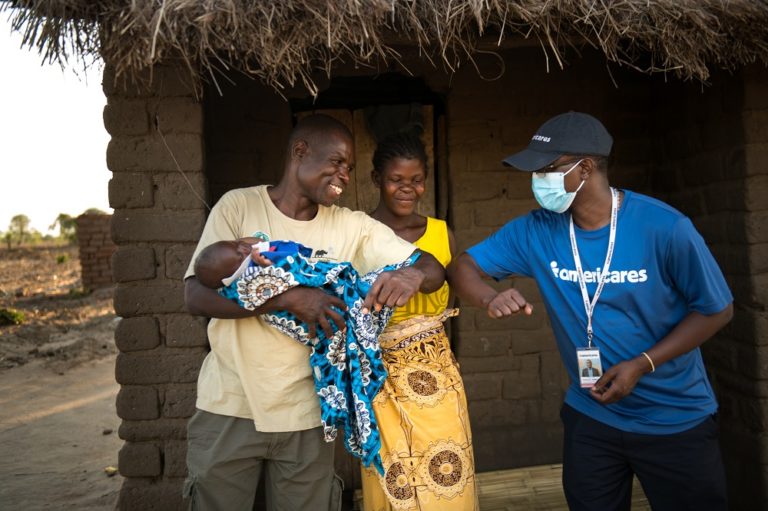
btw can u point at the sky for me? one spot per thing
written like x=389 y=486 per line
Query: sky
x=52 y=138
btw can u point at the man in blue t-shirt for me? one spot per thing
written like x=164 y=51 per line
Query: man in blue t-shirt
x=628 y=283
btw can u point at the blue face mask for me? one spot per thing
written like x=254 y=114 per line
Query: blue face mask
x=549 y=190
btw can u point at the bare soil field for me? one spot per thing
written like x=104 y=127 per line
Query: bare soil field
x=58 y=426
x=63 y=325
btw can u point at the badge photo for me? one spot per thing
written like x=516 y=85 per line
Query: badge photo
x=590 y=367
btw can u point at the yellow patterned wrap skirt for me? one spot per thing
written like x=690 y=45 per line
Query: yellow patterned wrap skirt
x=426 y=443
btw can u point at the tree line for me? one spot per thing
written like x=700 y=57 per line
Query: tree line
x=20 y=233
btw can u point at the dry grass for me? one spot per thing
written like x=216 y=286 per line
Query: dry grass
x=285 y=42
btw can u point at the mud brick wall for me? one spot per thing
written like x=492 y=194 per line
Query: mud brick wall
x=96 y=249
x=514 y=378
x=711 y=162
x=157 y=220
x=512 y=370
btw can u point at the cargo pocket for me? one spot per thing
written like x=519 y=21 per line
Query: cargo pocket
x=188 y=493
x=337 y=490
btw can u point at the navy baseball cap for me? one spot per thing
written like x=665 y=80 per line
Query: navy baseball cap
x=569 y=133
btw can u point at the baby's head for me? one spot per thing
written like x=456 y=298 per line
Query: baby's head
x=220 y=260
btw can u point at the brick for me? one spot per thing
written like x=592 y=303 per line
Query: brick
x=179 y=402
x=755 y=193
x=131 y=191
x=465 y=238
x=123 y=86
x=131 y=225
x=536 y=341
x=496 y=213
x=179 y=115
x=554 y=378
x=525 y=382
x=519 y=189
x=755 y=126
x=138 y=431
x=172 y=80
x=482 y=386
x=714 y=228
x=134 y=263
x=132 y=301
x=176 y=192
x=500 y=412
x=517 y=322
x=499 y=448
x=756 y=226
x=145 y=369
x=177 y=259
x=465 y=322
x=749 y=157
x=123 y=116
x=750 y=288
x=134 y=334
x=149 y=153
x=750 y=327
x=138 y=403
x=755 y=90
x=479 y=186
x=184 y=331
x=139 y=460
x=550 y=408
x=474 y=345
x=462 y=217
x=472 y=365
x=175 y=458
x=152 y=495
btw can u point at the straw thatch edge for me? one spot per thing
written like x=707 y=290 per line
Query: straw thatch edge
x=285 y=43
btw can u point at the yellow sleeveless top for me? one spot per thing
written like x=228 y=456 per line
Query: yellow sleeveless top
x=434 y=241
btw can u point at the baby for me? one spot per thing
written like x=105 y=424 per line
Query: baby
x=222 y=265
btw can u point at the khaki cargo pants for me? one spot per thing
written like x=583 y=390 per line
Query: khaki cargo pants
x=226 y=456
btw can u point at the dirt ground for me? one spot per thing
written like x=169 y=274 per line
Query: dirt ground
x=58 y=426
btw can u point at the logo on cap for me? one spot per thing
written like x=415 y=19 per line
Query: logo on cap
x=541 y=138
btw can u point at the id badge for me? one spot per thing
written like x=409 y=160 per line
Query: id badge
x=590 y=368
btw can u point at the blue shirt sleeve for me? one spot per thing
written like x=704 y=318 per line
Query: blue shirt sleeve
x=505 y=252
x=694 y=271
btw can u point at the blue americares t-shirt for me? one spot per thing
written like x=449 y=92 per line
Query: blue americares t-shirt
x=661 y=271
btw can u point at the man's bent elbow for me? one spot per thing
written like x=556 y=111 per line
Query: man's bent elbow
x=191 y=298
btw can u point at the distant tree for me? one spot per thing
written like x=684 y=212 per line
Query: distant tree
x=67 y=227
x=34 y=237
x=19 y=228
x=8 y=238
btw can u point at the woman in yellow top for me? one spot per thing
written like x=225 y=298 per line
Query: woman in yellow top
x=426 y=444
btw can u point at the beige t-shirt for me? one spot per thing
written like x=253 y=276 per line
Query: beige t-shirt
x=254 y=371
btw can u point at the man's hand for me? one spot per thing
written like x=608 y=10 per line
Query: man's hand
x=393 y=288
x=618 y=381
x=313 y=307
x=508 y=303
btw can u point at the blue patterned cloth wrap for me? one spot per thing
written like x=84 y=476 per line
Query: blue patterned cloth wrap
x=347 y=368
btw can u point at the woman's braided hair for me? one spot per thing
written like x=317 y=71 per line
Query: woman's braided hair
x=399 y=145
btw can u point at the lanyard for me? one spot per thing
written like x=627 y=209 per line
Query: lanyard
x=589 y=306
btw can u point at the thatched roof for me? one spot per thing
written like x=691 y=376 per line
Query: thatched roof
x=283 y=42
